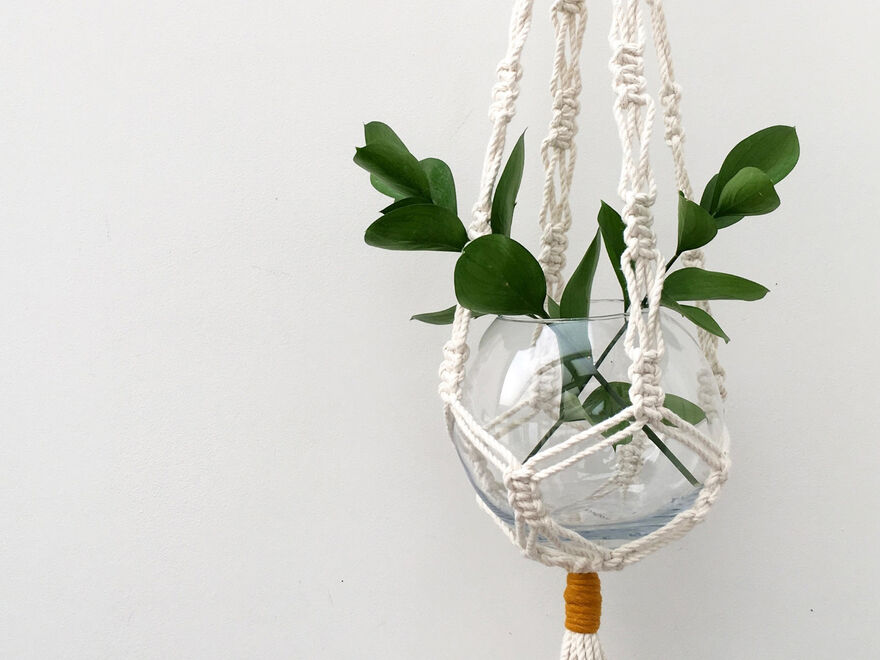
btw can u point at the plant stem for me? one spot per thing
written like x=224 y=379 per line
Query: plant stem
x=581 y=387
x=653 y=437
x=672 y=261
x=649 y=432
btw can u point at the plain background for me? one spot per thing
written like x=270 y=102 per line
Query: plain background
x=220 y=433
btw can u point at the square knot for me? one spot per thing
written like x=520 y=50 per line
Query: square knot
x=646 y=240
x=627 y=52
x=673 y=133
x=523 y=495
x=555 y=239
x=646 y=394
x=570 y=6
x=670 y=94
x=561 y=136
x=641 y=202
x=509 y=72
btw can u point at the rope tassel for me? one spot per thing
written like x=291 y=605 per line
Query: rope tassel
x=583 y=609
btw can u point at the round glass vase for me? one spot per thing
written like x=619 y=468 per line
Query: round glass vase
x=533 y=384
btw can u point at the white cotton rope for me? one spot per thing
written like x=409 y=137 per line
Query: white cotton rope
x=579 y=646
x=559 y=150
x=502 y=477
x=670 y=97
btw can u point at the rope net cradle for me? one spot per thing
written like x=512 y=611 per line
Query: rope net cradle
x=534 y=530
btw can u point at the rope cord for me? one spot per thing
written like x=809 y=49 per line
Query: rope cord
x=670 y=98
x=559 y=150
x=504 y=478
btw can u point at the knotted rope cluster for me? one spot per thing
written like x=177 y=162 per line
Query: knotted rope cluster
x=534 y=530
x=559 y=151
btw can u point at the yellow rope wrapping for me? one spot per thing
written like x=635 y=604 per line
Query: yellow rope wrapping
x=583 y=603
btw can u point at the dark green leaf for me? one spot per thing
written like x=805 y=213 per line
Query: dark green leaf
x=689 y=412
x=603 y=403
x=727 y=220
x=553 y=308
x=406 y=201
x=575 y=303
x=699 y=284
x=443 y=317
x=440 y=182
x=774 y=150
x=497 y=275
x=708 y=194
x=571 y=409
x=749 y=192
x=507 y=188
x=696 y=316
x=611 y=225
x=376 y=131
x=418 y=227
x=696 y=226
x=386 y=189
x=398 y=172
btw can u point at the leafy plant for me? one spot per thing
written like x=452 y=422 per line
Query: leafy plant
x=494 y=274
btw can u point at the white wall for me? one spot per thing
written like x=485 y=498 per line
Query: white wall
x=220 y=434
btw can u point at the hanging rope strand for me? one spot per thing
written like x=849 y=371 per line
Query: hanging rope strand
x=503 y=108
x=670 y=97
x=534 y=529
x=504 y=95
x=634 y=111
x=559 y=150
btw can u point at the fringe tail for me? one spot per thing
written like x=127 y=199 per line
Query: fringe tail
x=578 y=646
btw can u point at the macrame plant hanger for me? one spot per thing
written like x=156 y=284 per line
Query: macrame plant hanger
x=534 y=531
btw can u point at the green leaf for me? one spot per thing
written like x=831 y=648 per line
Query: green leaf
x=774 y=151
x=727 y=220
x=696 y=226
x=376 y=131
x=386 y=189
x=553 y=308
x=709 y=193
x=497 y=275
x=440 y=182
x=406 y=201
x=442 y=317
x=699 y=284
x=417 y=227
x=749 y=192
x=571 y=409
x=706 y=202
x=697 y=316
x=507 y=189
x=689 y=412
x=575 y=303
x=603 y=403
x=611 y=225
x=397 y=172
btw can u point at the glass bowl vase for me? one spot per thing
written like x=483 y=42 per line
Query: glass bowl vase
x=534 y=384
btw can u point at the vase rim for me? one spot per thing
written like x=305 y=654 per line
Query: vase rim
x=595 y=315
